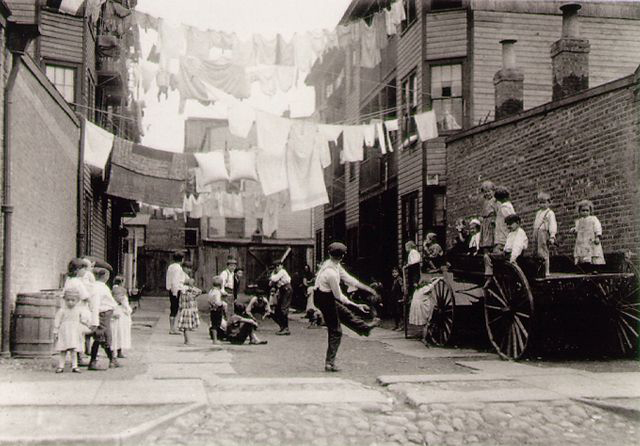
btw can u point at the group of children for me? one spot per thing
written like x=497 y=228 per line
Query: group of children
x=91 y=316
x=499 y=235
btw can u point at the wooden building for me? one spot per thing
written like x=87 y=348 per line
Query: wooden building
x=444 y=57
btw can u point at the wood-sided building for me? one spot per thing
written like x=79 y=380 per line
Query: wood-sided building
x=445 y=56
x=84 y=55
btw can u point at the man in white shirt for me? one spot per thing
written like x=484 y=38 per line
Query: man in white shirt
x=333 y=303
x=173 y=283
x=228 y=284
x=281 y=280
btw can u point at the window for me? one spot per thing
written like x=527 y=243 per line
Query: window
x=64 y=79
x=445 y=4
x=435 y=216
x=410 y=218
x=446 y=95
x=409 y=106
x=410 y=12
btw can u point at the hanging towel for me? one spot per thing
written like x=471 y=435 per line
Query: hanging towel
x=382 y=138
x=391 y=125
x=242 y=165
x=285 y=54
x=426 y=124
x=198 y=42
x=369 y=135
x=97 y=145
x=212 y=167
x=241 y=117
x=143 y=174
x=353 y=140
x=190 y=85
x=305 y=174
x=265 y=49
x=272 y=172
x=272 y=133
x=243 y=52
x=271 y=214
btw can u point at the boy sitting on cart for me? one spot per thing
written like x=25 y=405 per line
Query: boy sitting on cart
x=516 y=243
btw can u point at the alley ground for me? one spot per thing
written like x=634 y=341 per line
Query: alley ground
x=391 y=391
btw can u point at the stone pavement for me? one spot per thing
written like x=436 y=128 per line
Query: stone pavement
x=195 y=395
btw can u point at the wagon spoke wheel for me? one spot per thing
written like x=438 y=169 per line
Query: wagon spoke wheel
x=508 y=310
x=621 y=297
x=441 y=324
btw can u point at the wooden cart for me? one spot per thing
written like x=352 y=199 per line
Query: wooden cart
x=523 y=308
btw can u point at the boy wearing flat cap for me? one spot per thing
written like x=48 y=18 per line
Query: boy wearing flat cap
x=229 y=284
x=333 y=304
x=281 y=281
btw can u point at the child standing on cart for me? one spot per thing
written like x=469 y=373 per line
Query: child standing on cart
x=544 y=229
x=588 y=230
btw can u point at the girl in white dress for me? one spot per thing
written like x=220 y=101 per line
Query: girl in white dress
x=70 y=322
x=121 y=327
x=588 y=230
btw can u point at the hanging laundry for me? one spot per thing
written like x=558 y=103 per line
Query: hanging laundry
x=343 y=33
x=381 y=31
x=241 y=117
x=243 y=52
x=369 y=49
x=212 y=167
x=144 y=20
x=382 y=137
x=389 y=22
x=318 y=40
x=70 y=6
x=353 y=140
x=190 y=85
x=162 y=81
x=304 y=170
x=286 y=77
x=198 y=42
x=331 y=39
x=97 y=145
x=272 y=133
x=265 y=49
x=285 y=54
x=266 y=76
x=272 y=172
x=331 y=132
x=144 y=174
x=154 y=55
x=197 y=207
x=304 y=55
x=226 y=76
x=303 y=102
x=187 y=203
x=242 y=165
x=370 y=135
x=230 y=205
x=171 y=40
x=221 y=39
x=147 y=73
x=270 y=219
x=427 y=125
x=397 y=12
x=211 y=205
x=391 y=125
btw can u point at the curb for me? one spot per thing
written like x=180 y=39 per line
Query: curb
x=632 y=414
x=128 y=437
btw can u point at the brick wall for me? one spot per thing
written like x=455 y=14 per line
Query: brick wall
x=582 y=147
x=43 y=173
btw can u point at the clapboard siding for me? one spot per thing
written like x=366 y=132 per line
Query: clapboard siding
x=22 y=11
x=602 y=8
x=615 y=52
x=62 y=37
x=446 y=34
x=352 y=197
x=436 y=159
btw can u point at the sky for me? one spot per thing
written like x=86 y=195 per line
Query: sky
x=163 y=125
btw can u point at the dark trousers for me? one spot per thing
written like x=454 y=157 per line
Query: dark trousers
x=242 y=335
x=281 y=313
x=335 y=313
x=230 y=300
x=174 y=304
x=102 y=336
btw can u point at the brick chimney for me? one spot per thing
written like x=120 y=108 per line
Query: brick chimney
x=508 y=83
x=570 y=56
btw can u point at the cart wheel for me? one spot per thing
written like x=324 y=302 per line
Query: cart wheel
x=508 y=310
x=621 y=298
x=441 y=324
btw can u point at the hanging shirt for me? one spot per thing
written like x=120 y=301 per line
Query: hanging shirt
x=265 y=49
x=369 y=49
x=353 y=140
x=390 y=26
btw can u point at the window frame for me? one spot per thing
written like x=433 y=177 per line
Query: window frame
x=428 y=197
x=410 y=6
x=461 y=61
x=408 y=130
x=65 y=66
x=409 y=205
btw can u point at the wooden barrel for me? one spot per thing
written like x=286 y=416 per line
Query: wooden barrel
x=32 y=330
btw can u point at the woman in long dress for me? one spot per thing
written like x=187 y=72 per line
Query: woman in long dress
x=422 y=306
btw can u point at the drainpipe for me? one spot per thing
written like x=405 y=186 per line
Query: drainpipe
x=80 y=235
x=7 y=206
